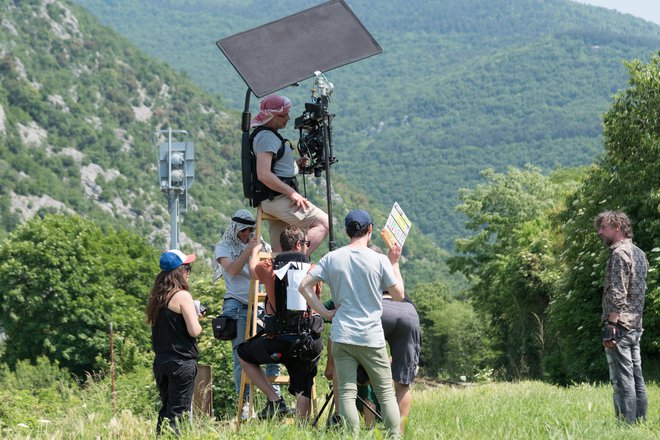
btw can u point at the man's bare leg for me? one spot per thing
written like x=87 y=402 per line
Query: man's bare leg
x=404 y=399
x=317 y=232
x=258 y=377
x=303 y=405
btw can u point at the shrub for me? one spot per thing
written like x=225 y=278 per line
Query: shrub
x=64 y=280
x=34 y=392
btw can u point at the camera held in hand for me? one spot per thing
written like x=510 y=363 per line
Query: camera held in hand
x=199 y=308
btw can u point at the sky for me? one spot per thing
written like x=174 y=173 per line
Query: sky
x=649 y=10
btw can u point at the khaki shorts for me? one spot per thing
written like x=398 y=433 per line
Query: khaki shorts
x=286 y=214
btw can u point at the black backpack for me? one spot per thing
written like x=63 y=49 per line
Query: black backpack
x=253 y=189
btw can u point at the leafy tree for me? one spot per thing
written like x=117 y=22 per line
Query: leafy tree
x=455 y=340
x=64 y=280
x=511 y=258
x=626 y=178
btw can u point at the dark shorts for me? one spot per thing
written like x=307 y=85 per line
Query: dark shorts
x=262 y=350
x=403 y=334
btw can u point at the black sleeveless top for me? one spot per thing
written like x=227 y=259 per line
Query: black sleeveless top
x=170 y=339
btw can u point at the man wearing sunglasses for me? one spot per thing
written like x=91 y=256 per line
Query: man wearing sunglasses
x=278 y=343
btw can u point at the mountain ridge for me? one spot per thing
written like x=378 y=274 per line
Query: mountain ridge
x=80 y=106
x=444 y=86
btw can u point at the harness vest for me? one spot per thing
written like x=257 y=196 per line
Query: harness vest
x=292 y=314
x=260 y=191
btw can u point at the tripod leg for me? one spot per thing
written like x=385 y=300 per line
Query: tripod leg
x=328 y=398
x=373 y=411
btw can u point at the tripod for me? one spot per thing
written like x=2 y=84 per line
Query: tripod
x=330 y=397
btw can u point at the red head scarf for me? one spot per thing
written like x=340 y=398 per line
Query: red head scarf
x=270 y=106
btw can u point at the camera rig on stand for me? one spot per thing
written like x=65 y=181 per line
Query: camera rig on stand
x=315 y=128
x=315 y=141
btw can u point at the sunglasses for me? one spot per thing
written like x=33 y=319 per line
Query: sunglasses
x=187 y=267
x=305 y=242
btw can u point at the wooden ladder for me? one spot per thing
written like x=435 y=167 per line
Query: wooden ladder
x=251 y=329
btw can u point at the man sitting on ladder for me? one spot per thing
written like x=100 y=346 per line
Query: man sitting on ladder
x=291 y=334
x=276 y=187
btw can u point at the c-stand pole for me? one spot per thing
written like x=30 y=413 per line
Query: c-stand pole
x=327 y=147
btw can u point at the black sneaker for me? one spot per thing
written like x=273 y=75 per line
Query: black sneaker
x=334 y=421
x=274 y=409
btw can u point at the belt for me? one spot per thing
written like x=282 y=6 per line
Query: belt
x=302 y=322
x=296 y=318
x=291 y=181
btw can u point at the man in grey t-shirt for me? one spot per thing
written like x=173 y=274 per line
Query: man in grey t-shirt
x=286 y=205
x=357 y=276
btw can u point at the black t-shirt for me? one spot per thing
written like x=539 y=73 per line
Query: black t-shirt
x=170 y=338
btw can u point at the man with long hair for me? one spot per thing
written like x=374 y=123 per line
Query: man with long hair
x=174 y=321
x=623 y=305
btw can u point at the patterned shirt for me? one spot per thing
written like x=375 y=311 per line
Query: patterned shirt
x=625 y=284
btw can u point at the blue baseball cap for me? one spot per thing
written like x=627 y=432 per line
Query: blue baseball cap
x=358 y=216
x=174 y=258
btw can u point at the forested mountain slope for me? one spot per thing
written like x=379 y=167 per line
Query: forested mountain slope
x=78 y=108
x=461 y=85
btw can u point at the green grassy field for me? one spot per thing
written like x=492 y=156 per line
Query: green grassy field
x=526 y=410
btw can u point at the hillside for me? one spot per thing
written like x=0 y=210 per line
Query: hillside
x=78 y=108
x=461 y=85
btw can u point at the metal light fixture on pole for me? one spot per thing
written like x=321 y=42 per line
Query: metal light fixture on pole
x=175 y=159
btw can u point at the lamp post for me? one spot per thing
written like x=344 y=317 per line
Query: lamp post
x=175 y=159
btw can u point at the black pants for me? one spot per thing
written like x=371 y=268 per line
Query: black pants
x=175 y=380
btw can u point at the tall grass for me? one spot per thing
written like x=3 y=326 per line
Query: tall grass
x=526 y=410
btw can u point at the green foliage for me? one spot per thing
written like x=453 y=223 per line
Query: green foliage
x=512 y=260
x=455 y=339
x=32 y=393
x=64 y=281
x=626 y=178
x=37 y=397
x=214 y=352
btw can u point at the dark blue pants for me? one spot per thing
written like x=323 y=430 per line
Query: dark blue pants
x=175 y=380
x=625 y=362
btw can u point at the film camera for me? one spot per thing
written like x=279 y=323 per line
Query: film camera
x=313 y=125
